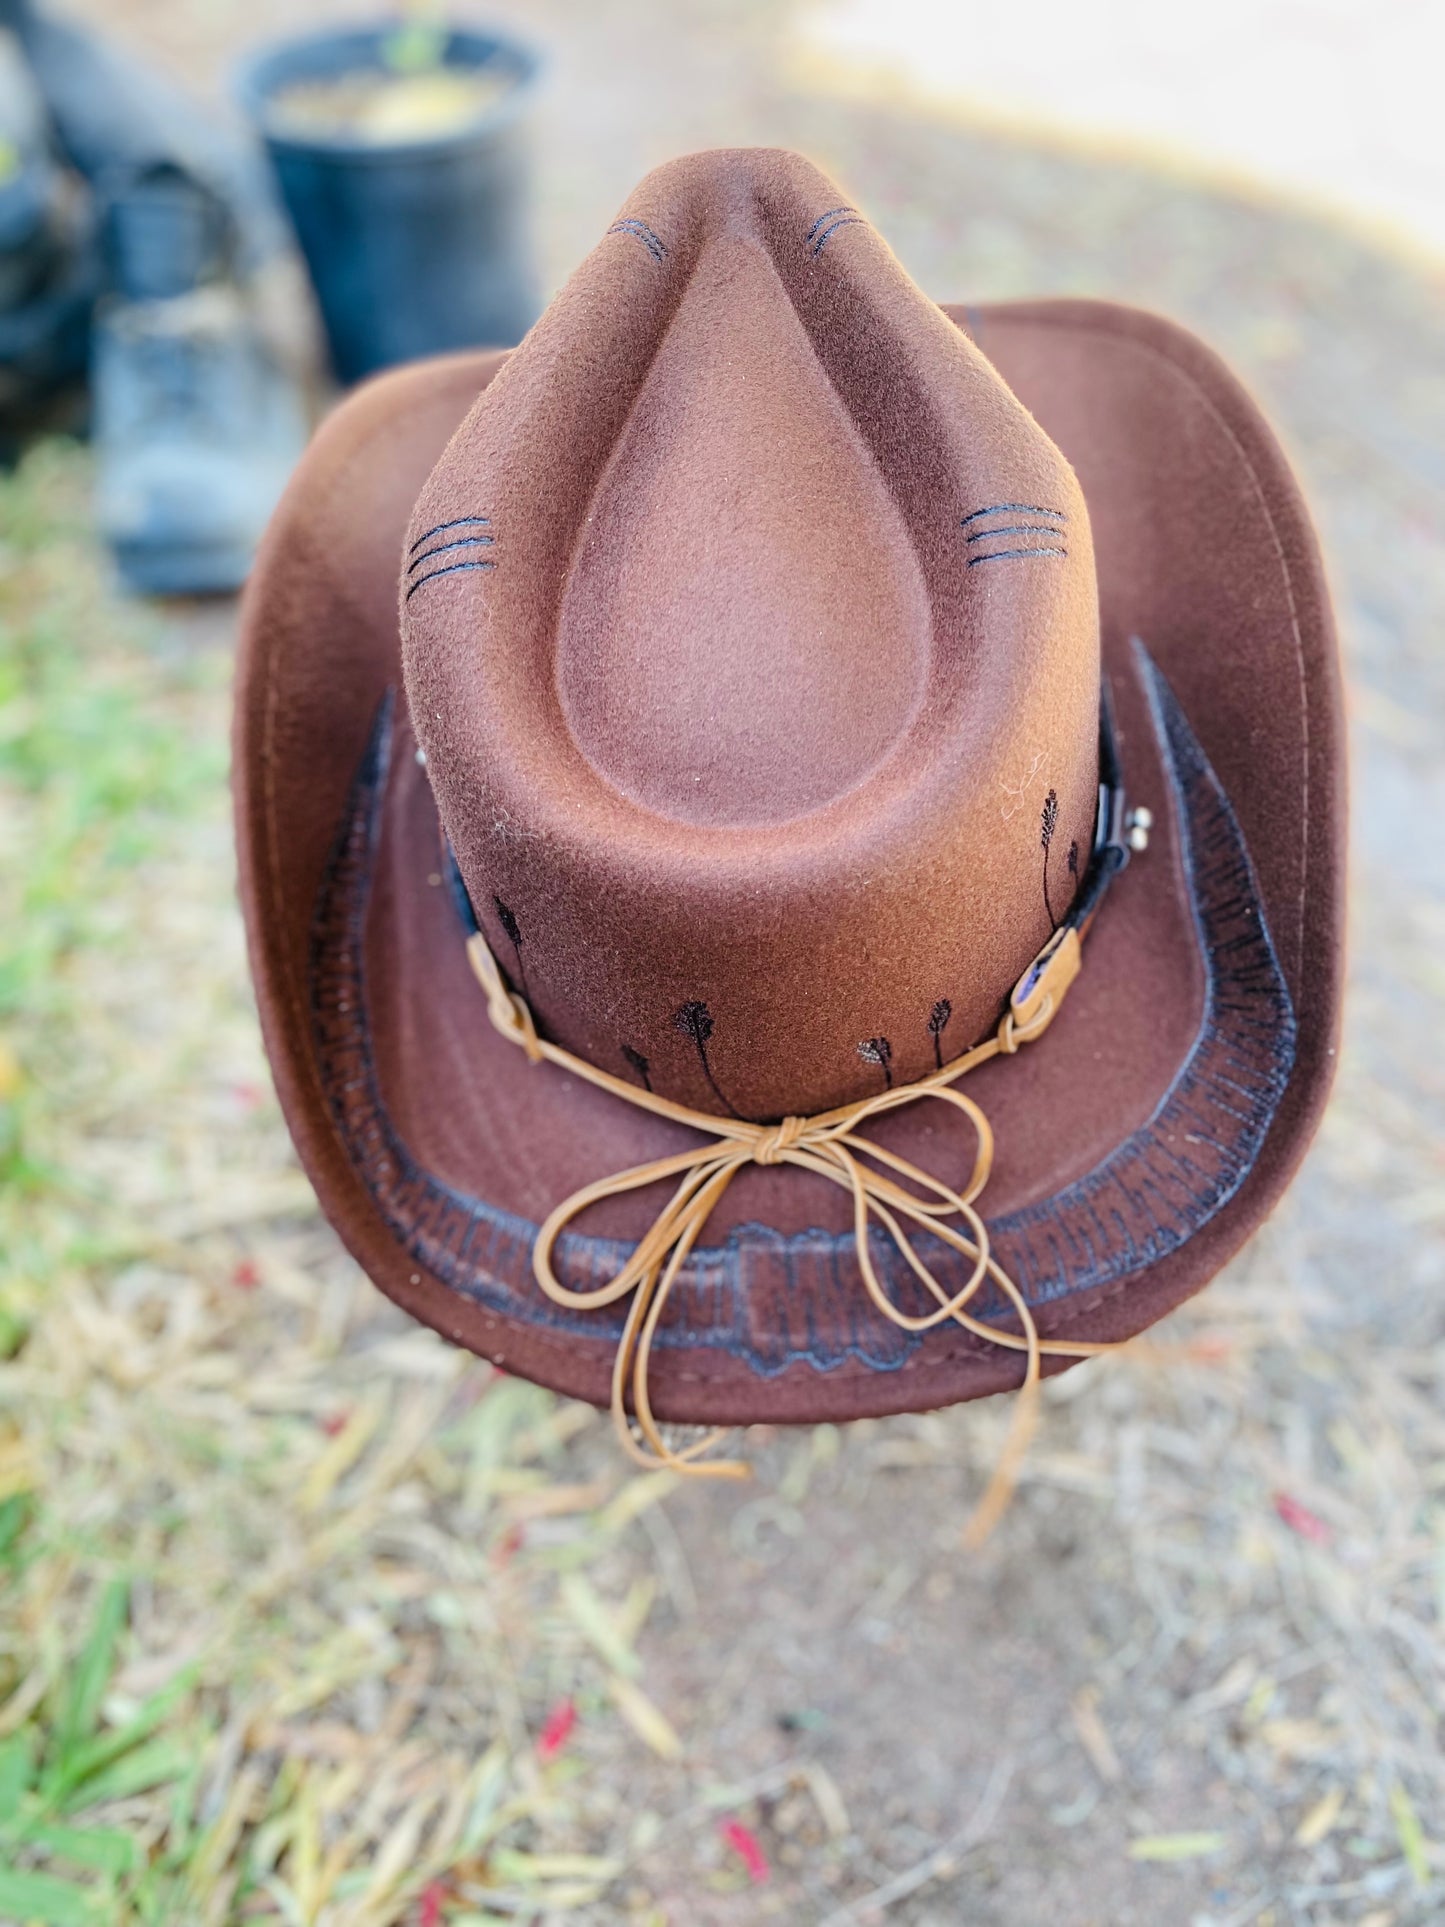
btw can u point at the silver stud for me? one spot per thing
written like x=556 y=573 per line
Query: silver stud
x=1140 y=822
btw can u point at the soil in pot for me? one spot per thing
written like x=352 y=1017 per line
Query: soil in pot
x=380 y=109
x=415 y=95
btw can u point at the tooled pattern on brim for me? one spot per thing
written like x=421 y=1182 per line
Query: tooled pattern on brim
x=773 y=1301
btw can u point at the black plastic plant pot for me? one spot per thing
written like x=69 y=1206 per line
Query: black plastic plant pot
x=414 y=246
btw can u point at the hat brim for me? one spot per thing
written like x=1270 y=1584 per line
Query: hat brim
x=1139 y=1143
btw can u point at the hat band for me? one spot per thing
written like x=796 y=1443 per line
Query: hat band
x=828 y=1145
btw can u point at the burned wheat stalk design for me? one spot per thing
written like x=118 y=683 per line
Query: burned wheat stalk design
x=1048 y=823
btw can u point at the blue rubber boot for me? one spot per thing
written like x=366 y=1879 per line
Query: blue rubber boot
x=196 y=425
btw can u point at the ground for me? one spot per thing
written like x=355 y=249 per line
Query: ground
x=306 y=1618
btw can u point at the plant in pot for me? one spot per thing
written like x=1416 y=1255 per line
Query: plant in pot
x=401 y=154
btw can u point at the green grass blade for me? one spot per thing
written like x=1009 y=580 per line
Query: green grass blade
x=153 y=1765
x=103 y=1849
x=101 y=1752
x=1410 y=1834
x=17 y=1774
x=80 y=1706
x=40 y=1897
x=15 y=1512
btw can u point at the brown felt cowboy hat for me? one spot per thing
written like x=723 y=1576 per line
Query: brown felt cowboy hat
x=682 y=746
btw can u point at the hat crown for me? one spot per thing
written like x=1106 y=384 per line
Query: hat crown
x=745 y=631
x=750 y=629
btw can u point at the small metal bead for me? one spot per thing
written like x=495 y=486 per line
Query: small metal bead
x=1144 y=817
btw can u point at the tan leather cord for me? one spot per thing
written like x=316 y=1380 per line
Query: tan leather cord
x=829 y=1146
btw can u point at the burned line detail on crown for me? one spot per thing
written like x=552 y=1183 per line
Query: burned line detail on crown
x=420 y=554
x=640 y=231
x=1055 y=524
x=827 y=225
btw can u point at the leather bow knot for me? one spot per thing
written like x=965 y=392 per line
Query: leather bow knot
x=830 y=1147
x=771 y=1146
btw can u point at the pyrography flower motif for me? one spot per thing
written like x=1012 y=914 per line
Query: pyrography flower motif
x=694 y=1020
x=878 y=1050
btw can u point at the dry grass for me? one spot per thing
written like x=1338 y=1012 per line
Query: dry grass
x=289 y=1586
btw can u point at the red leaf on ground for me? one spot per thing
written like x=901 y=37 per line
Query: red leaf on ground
x=509 y=1545
x=744 y=1843
x=1309 y=1525
x=1211 y=1348
x=246 y=1276
x=429 y=1914
x=334 y=1422
x=557 y=1730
